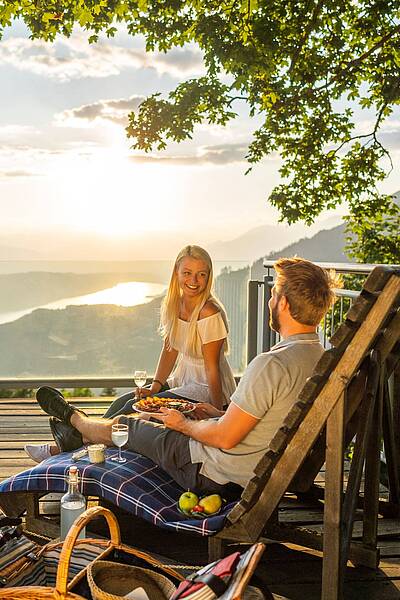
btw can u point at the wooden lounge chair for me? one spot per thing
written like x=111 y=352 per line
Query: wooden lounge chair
x=346 y=396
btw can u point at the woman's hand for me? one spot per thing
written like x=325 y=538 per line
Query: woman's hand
x=142 y=392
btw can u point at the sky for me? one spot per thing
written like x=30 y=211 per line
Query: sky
x=67 y=166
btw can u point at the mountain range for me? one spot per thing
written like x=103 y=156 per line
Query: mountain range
x=61 y=245
x=324 y=246
x=265 y=239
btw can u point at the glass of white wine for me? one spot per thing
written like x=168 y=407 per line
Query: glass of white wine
x=119 y=436
x=140 y=378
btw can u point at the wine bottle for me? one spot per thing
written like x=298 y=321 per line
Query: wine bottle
x=73 y=504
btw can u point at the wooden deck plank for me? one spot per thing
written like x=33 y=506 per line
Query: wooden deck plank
x=23 y=421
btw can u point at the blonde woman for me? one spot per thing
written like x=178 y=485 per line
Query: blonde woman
x=195 y=330
x=192 y=363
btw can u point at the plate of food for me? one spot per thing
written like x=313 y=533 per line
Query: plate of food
x=153 y=404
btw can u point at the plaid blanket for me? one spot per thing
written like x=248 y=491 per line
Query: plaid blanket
x=138 y=486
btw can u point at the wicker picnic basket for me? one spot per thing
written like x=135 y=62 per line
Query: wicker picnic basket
x=62 y=590
x=109 y=581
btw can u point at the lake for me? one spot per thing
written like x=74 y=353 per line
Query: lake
x=129 y=293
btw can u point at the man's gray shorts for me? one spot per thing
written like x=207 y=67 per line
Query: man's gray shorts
x=170 y=450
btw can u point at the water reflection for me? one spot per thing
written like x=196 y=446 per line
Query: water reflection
x=129 y=293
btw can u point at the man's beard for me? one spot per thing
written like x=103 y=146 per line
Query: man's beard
x=274 y=320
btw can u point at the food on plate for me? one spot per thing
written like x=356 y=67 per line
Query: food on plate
x=198 y=509
x=152 y=404
x=187 y=501
x=211 y=504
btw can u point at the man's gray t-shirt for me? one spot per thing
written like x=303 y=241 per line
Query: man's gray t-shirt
x=268 y=389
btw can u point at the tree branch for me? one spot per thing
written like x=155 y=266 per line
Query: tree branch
x=370 y=135
x=381 y=42
x=357 y=61
x=307 y=32
x=233 y=98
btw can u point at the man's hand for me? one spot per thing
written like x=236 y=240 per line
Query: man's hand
x=225 y=432
x=205 y=410
x=172 y=418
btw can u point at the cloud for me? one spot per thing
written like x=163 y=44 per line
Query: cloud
x=74 y=58
x=17 y=173
x=115 y=111
x=220 y=154
x=10 y=132
x=390 y=139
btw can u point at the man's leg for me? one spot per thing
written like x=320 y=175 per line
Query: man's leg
x=167 y=448
x=93 y=430
x=170 y=450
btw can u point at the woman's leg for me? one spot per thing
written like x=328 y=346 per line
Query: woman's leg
x=119 y=406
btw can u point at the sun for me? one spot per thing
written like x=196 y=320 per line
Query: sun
x=113 y=196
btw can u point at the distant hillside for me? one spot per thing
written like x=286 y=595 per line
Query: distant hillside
x=12 y=253
x=81 y=340
x=325 y=246
x=261 y=240
x=28 y=290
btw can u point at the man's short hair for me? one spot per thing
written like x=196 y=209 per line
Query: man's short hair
x=308 y=288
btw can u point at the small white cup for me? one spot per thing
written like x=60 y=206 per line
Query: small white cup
x=97 y=453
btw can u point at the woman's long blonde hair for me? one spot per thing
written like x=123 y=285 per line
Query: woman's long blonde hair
x=170 y=306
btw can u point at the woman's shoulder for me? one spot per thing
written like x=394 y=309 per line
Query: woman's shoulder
x=208 y=310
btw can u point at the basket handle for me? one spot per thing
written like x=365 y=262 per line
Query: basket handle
x=72 y=536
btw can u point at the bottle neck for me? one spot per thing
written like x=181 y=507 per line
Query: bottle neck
x=73 y=485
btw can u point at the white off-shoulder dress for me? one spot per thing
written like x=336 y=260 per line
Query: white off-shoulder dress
x=189 y=376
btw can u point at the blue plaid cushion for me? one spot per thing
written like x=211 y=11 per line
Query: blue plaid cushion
x=138 y=486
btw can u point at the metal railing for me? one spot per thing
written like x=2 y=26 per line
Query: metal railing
x=260 y=337
x=13 y=383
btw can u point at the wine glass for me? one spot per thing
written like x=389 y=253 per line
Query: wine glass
x=140 y=378
x=119 y=436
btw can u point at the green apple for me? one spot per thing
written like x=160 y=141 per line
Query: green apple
x=187 y=501
x=211 y=504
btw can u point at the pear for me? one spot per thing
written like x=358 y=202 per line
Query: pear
x=211 y=504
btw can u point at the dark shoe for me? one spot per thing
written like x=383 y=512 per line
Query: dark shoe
x=65 y=435
x=53 y=403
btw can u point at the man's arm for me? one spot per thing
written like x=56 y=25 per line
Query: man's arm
x=225 y=433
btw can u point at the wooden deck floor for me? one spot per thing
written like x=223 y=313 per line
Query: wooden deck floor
x=286 y=571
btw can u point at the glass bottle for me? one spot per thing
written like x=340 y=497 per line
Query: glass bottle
x=73 y=504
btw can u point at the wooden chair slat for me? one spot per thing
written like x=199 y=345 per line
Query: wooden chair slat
x=378 y=278
x=249 y=492
x=294 y=417
x=279 y=441
x=344 y=334
x=237 y=513
x=311 y=389
x=359 y=310
x=265 y=464
x=328 y=361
